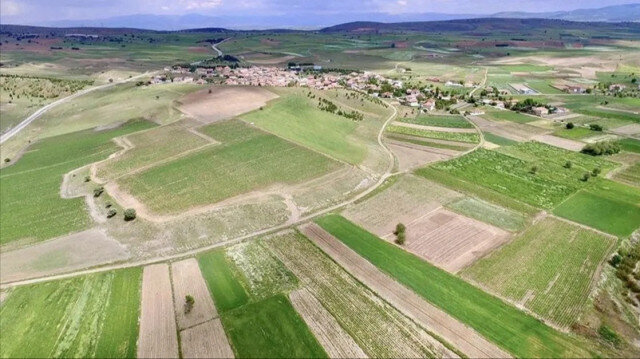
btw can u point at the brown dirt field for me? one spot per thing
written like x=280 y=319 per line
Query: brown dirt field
x=206 y=340
x=628 y=130
x=411 y=156
x=187 y=280
x=513 y=131
x=224 y=102
x=409 y=198
x=59 y=255
x=435 y=128
x=449 y=240
x=459 y=335
x=157 y=337
x=565 y=143
x=335 y=341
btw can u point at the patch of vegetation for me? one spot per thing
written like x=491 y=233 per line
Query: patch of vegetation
x=601 y=148
x=548 y=269
x=630 y=145
x=489 y=213
x=440 y=135
x=438 y=121
x=498 y=140
x=223 y=281
x=420 y=142
x=270 y=328
x=502 y=323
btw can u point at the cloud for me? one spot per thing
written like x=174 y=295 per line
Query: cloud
x=9 y=8
x=201 y=4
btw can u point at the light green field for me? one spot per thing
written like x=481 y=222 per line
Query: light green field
x=270 y=328
x=440 y=135
x=422 y=142
x=517 y=332
x=93 y=316
x=489 y=213
x=223 y=282
x=30 y=193
x=296 y=118
x=508 y=115
x=250 y=162
x=438 y=121
x=630 y=145
x=150 y=147
x=549 y=269
x=630 y=175
x=610 y=207
x=498 y=140
x=575 y=133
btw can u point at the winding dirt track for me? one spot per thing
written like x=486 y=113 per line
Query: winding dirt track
x=450 y=329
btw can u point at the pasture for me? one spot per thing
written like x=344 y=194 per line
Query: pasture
x=92 y=316
x=31 y=186
x=550 y=269
x=519 y=333
x=512 y=116
x=253 y=161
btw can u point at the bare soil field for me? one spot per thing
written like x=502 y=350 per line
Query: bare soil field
x=513 y=131
x=449 y=240
x=552 y=140
x=158 y=334
x=187 y=280
x=411 y=156
x=59 y=255
x=335 y=341
x=206 y=340
x=459 y=335
x=585 y=65
x=409 y=198
x=628 y=130
x=224 y=102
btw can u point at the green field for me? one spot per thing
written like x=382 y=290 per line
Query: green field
x=421 y=142
x=30 y=193
x=438 y=121
x=440 y=135
x=512 y=116
x=575 y=133
x=270 y=328
x=630 y=145
x=498 y=140
x=502 y=323
x=296 y=118
x=549 y=269
x=489 y=213
x=630 y=175
x=250 y=161
x=93 y=316
x=609 y=207
x=224 y=284
x=508 y=171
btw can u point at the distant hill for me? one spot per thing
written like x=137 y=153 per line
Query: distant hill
x=616 y=13
x=484 y=25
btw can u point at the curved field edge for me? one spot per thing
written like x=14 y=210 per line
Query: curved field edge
x=505 y=325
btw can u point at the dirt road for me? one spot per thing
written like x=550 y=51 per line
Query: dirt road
x=450 y=329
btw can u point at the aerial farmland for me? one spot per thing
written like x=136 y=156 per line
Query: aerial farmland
x=465 y=188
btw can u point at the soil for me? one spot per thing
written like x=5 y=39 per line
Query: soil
x=206 y=340
x=224 y=102
x=187 y=280
x=567 y=144
x=411 y=156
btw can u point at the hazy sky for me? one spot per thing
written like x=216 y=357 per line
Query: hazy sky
x=35 y=11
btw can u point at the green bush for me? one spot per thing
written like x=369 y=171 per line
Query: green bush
x=568 y=164
x=595 y=127
x=596 y=172
x=111 y=212
x=601 y=148
x=129 y=214
x=609 y=335
x=569 y=125
x=87 y=178
x=98 y=191
x=585 y=177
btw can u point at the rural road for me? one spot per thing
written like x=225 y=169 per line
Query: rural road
x=484 y=82
x=190 y=253
x=216 y=49
x=19 y=127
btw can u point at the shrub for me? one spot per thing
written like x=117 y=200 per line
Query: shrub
x=98 y=191
x=87 y=178
x=533 y=170
x=596 y=172
x=609 y=335
x=7 y=160
x=601 y=148
x=569 y=125
x=129 y=214
x=615 y=260
x=108 y=205
x=595 y=127
x=585 y=177
x=400 y=238
x=111 y=212
x=188 y=303
x=568 y=164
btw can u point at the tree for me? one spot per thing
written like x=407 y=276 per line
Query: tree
x=188 y=303
x=569 y=125
x=400 y=233
x=585 y=177
x=98 y=191
x=129 y=214
x=596 y=171
x=111 y=212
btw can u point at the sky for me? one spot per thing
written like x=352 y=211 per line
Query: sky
x=35 y=12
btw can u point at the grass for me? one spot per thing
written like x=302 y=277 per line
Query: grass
x=629 y=175
x=30 y=193
x=508 y=171
x=511 y=116
x=439 y=121
x=630 y=145
x=549 y=268
x=501 y=323
x=224 y=285
x=611 y=213
x=575 y=133
x=489 y=213
x=498 y=140
x=250 y=162
x=440 y=135
x=270 y=328
x=420 y=142
x=89 y=316
x=297 y=119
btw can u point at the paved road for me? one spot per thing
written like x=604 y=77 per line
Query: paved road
x=14 y=131
x=190 y=253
